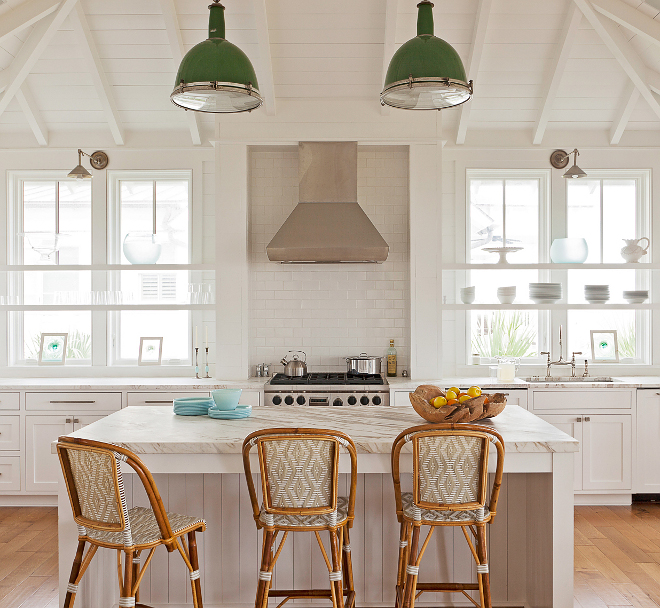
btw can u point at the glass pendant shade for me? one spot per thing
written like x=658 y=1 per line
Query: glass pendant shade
x=426 y=73
x=79 y=172
x=215 y=75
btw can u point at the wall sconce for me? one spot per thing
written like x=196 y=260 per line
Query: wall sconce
x=559 y=160
x=98 y=160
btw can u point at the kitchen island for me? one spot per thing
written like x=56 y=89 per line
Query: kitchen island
x=198 y=467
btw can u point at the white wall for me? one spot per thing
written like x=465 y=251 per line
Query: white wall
x=329 y=311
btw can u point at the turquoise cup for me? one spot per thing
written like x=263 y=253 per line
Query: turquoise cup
x=226 y=398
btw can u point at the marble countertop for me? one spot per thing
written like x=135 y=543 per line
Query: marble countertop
x=157 y=430
x=126 y=384
x=492 y=383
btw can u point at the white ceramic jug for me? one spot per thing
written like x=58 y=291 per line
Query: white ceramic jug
x=633 y=251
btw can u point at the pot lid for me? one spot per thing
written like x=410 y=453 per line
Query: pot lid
x=364 y=357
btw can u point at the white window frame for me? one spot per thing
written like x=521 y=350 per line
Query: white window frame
x=114 y=255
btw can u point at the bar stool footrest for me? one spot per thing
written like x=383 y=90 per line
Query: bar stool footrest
x=447 y=587
x=305 y=593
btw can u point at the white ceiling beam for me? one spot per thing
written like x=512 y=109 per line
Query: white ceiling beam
x=653 y=80
x=178 y=51
x=478 y=40
x=32 y=114
x=623 y=113
x=623 y=52
x=553 y=77
x=391 y=16
x=25 y=15
x=32 y=48
x=267 y=82
x=96 y=71
x=631 y=18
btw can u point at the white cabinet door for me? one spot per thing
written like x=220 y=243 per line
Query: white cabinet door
x=252 y=398
x=513 y=396
x=571 y=425
x=646 y=479
x=607 y=452
x=42 y=468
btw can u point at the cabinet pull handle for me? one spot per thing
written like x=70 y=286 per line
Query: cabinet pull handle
x=587 y=418
x=578 y=420
x=68 y=420
x=158 y=401
x=76 y=421
x=73 y=401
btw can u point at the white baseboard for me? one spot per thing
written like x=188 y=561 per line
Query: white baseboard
x=603 y=499
x=28 y=500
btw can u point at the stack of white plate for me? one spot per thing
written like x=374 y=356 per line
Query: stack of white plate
x=506 y=295
x=596 y=294
x=544 y=293
x=636 y=297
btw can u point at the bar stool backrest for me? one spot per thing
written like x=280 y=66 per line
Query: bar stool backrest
x=95 y=485
x=450 y=466
x=299 y=470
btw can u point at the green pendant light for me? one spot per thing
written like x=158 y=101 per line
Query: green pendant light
x=215 y=75
x=426 y=73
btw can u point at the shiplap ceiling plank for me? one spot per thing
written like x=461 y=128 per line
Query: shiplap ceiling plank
x=631 y=18
x=391 y=14
x=623 y=114
x=474 y=63
x=25 y=15
x=622 y=51
x=32 y=114
x=554 y=76
x=176 y=45
x=267 y=81
x=36 y=43
x=96 y=71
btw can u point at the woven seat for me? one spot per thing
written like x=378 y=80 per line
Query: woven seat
x=144 y=528
x=429 y=515
x=450 y=487
x=322 y=522
x=95 y=484
x=299 y=470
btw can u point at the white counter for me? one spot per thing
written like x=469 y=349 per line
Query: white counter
x=198 y=464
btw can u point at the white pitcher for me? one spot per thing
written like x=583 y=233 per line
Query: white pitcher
x=633 y=251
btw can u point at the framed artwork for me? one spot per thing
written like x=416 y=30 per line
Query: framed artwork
x=151 y=351
x=604 y=346
x=52 y=349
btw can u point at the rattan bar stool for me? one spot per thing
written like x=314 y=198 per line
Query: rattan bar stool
x=299 y=476
x=450 y=486
x=95 y=486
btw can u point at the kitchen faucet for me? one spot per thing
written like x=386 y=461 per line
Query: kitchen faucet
x=561 y=361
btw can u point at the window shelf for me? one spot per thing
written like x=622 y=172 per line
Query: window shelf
x=550 y=266
x=108 y=267
x=646 y=306
x=94 y=307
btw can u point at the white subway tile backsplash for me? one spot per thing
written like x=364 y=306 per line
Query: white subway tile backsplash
x=329 y=311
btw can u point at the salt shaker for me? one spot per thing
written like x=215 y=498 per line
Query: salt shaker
x=265 y=370
x=260 y=370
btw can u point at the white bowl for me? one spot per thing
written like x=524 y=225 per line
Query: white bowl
x=506 y=299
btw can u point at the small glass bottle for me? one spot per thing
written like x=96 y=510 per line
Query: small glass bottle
x=391 y=360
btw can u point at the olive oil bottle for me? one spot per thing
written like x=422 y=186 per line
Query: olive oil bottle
x=391 y=360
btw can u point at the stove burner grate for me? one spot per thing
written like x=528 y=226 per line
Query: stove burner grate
x=329 y=378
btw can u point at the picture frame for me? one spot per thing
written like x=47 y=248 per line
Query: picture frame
x=149 y=346
x=52 y=349
x=604 y=346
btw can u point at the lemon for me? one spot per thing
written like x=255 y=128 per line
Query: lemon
x=474 y=391
x=463 y=398
x=438 y=401
x=451 y=394
x=455 y=389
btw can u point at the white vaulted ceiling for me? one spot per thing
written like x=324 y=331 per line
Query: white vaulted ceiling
x=107 y=67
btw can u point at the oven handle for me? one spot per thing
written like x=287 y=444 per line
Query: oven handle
x=319 y=401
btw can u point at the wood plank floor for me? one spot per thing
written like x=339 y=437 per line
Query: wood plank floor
x=617 y=557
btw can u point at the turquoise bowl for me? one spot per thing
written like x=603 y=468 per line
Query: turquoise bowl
x=226 y=398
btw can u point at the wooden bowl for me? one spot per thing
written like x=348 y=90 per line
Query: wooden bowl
x=477 y=408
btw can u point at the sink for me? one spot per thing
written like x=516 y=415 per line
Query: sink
x=560 y=379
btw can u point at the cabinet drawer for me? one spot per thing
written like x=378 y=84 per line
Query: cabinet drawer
x=161 y=398
x=10 y=436
x=582 y=400
x=400 y=397
x=10 y=473
x=10 y=401
x=73 y=401
x=252 y=398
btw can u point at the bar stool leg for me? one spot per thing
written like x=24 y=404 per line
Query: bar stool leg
x=194 y=562
x=136 y=573
x=336 y=568
x=348 y=568
x=126 y=594
x=482 y=553
x=264 y=579
x=403 y=559
x=410 y=588
x=75 y=570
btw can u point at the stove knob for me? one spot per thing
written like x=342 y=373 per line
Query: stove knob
x=277 y=400
x=337 y=402
x=352 y=400
x=300 y=400
x=376 y=400
x=288 y=400
x=364 y=400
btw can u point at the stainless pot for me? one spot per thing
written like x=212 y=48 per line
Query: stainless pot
x=295 y=368
x=363 y=364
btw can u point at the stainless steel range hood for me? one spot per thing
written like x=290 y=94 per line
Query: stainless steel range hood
x=327 y=226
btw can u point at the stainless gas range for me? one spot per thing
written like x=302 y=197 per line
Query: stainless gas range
x=332 y=389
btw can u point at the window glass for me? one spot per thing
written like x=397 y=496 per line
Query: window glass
x=76 y=323
x=171 y=325
x=512 y=333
